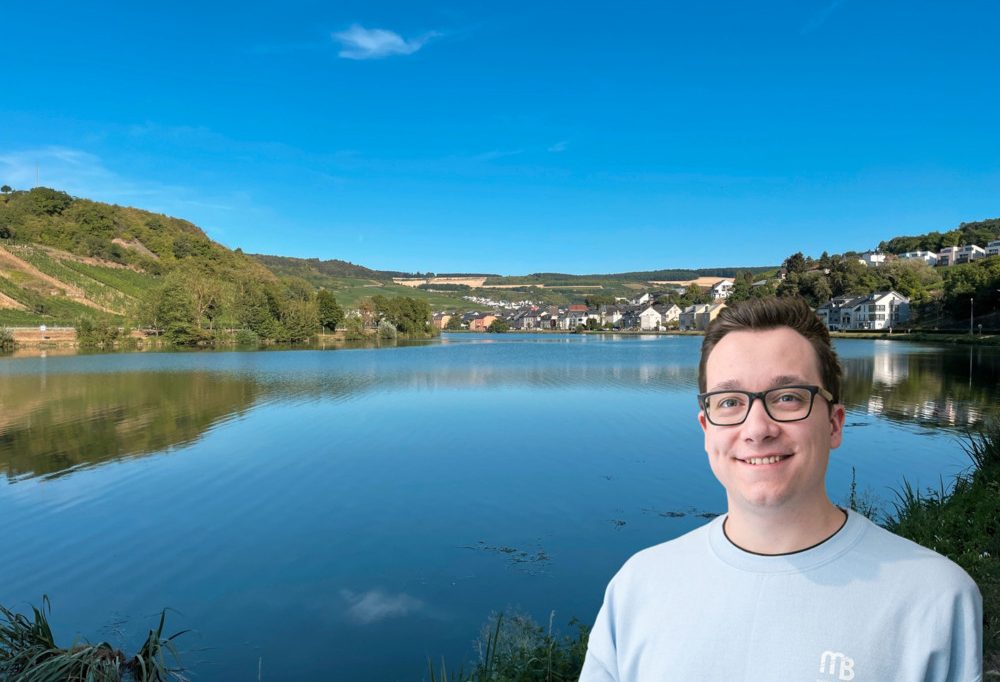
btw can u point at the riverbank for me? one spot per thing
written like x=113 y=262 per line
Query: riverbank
x=960 y=523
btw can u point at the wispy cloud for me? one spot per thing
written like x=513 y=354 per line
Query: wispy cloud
x=820 y=18
x=559 y=146
x=83 y=174
x=359 y=42
x=375 y=605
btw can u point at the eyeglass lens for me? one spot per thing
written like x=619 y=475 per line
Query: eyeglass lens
x=782 y=404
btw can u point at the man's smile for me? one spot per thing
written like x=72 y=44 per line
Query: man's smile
x=763 y=460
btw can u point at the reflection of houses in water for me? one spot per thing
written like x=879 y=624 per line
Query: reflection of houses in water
x=947 y=412
x=889 y=368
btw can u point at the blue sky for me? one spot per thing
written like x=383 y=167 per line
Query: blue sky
x=515 y=137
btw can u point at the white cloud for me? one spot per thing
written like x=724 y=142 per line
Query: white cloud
x=359 y=42
x=375 y=605
x=559 y=146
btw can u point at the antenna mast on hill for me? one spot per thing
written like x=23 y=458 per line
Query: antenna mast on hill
x=36 y=174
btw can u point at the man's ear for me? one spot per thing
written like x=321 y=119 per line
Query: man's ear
x=837 y=416
x=701 y=420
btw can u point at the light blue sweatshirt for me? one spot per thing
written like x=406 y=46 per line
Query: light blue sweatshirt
x=865 y=605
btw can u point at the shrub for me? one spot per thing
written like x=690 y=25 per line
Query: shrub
x=386 y=330
x=7 y=342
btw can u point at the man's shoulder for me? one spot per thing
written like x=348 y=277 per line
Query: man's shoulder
x=689 y=548
x=911 y=559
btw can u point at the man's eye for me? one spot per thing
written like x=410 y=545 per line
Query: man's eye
x=728 y=403
x=789 y=398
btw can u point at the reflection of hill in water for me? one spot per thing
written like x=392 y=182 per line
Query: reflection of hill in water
x=53 y=422
x=947 y=387
x=355 y=383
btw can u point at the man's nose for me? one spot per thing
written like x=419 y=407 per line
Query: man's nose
x=759 y=425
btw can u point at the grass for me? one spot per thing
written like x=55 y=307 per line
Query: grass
x=517 y=649
x=29 y=653
x=963 y=523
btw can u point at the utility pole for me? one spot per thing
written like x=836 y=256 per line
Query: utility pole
x=971 y=307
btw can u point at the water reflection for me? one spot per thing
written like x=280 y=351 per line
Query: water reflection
x=51 y=423
x=941 y=387
x=85 y=411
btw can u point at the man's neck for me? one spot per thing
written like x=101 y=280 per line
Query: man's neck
x=782 y=532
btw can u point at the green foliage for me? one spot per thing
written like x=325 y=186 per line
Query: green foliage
x=46 y=201
x=454 y=322
x=96 y=334
x=354 y=328
x=979 y=281
x=245 y=337
x=386 y=330
x=330 y=312
x=28 y=652
x=498 y=326
x=796 y=263
x=980 y=233
x=465 y=288
x=7 y=342
x=6 y=189
x=517 y=649
x=299 y=321
x=411 y=316
x=961 y=523
x=742 y=287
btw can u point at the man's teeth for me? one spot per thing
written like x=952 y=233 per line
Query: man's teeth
x=765 y=460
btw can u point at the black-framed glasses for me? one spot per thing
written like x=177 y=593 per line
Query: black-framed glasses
x=782 y=404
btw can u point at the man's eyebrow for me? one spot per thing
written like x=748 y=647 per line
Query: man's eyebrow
x=782 y=380
x=788 y=380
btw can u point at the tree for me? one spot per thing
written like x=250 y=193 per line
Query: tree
x=330 y=312
x=742 y=287
x=6 y=189
x=795 y=263
x=454 y=322
x=299 y=321
x=498 y=326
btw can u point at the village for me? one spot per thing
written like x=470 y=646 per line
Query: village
x=652 y=311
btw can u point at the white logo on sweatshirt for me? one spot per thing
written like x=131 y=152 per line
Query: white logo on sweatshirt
x=836 y=664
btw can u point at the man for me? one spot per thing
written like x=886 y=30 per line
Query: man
x=786 y=586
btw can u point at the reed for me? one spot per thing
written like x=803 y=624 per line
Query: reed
x=29 y=653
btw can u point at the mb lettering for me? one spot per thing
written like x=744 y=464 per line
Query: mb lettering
x=837 y=665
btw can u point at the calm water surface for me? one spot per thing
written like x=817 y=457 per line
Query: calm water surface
x=366 y=509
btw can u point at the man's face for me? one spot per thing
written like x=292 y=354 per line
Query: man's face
x=757 y=361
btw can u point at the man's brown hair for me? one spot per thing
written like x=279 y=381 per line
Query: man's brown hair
x=762 y=314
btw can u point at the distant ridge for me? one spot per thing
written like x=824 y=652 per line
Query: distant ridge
x=327 y=268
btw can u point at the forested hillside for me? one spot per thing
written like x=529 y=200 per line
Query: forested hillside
x=981 y=233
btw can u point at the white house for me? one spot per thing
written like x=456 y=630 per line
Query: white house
x=670 y=313
x=928 y=257
x=880 y=310
x=650 y=319
x=872 y=259
x=993 y=248
x=956 y=255
x=720 y=290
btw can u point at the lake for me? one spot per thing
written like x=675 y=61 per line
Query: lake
x=350 y=513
